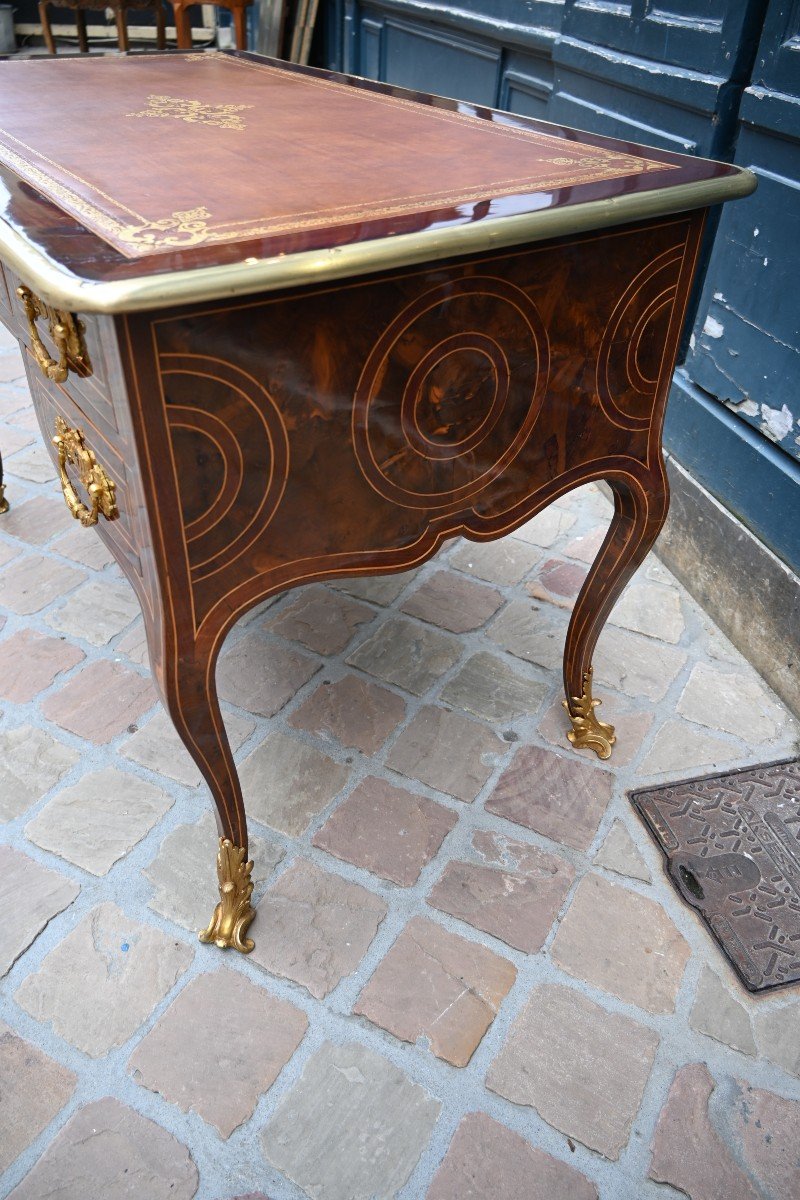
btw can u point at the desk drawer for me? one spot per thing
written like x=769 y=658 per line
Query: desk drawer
x=90 y=373
x=52 y=401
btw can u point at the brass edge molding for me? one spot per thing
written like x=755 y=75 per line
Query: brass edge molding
x=147 y=292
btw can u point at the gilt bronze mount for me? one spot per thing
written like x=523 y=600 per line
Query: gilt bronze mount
x=72 y=448
x=234 y=913
x=66 y=333
x=588 y=732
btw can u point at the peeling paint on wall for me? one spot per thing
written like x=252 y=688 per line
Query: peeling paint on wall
x=713 y=328
x=748 y=408
x=777 y=422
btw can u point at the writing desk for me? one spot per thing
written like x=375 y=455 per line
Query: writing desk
x=281 y=326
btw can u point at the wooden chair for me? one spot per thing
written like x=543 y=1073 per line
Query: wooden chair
x=184 y=29
x=120 y=7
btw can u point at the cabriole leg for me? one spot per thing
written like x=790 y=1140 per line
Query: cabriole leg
x=190 y=696
x=640 y=509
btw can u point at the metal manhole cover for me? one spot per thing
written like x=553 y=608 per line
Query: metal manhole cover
x=732 y=848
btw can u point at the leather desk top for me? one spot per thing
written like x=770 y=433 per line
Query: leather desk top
x=119 y=168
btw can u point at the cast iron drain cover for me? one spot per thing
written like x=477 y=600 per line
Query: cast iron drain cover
x=732 y=845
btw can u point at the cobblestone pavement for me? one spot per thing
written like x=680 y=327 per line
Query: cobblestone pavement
x=471 y=977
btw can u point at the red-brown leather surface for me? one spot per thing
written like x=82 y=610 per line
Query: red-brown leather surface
x=154 y=152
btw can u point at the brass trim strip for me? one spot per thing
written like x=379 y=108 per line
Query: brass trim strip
x=147 y=292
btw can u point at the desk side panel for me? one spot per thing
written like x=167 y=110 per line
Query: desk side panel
x=327 y=432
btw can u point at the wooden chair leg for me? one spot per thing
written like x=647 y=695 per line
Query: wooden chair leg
x=44 y=17
x=240 y=25
x=83 y=40
x=3 y=501
x=183 y=26
x=122 y=27
x=161 y=26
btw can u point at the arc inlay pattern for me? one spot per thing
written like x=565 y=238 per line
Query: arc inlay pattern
x=628 y=365
x=206 y=435
x=236 y=415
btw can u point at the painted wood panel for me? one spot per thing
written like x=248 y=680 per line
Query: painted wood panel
x=746 y=345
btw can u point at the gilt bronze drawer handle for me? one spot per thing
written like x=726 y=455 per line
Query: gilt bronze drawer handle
x=102 y=492
x=66 y=332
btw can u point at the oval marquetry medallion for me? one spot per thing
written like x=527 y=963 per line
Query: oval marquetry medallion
x=450 y=393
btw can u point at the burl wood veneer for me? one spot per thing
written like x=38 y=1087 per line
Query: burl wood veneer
x=282 y=326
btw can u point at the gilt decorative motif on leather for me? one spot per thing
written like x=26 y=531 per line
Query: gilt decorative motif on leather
x=194 y=112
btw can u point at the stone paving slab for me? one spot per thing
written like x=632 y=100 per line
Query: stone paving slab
x=75 y=707
x=99 y=985
x=406 y=654
x=30 y=896
x=318 y=925
x=437 y=986
x=107 y=1149
x=718 y=1013
x=453 y=602
x=353 y=712
x=33 y=1089
x=622 y=943
x=487 y=687
x=95 y=822
x=97 y=611
x=386 y=830
x=218 y=1047
x=262 y=677
x=440 y=879
x=513 y=891
x=31 y=763
x=505 y=562
x=287 y=783
x=564 y=1054
x=557 y=796
x=322 y=620
x=32 y=583
x=486 y=1159
x=619 y=854
x=751 y=1154
x=29 y=663
x=352 y=1128
x=446 y=751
